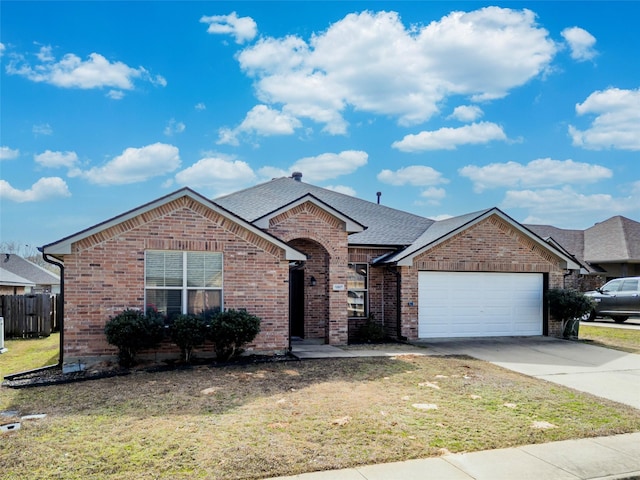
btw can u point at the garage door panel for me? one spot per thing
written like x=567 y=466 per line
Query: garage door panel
x=465 y=304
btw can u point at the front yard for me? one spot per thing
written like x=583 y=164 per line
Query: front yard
x=284 y=418
x=625 y=339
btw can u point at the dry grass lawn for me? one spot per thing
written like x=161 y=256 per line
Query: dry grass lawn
x=262 y=420
x=625 y=339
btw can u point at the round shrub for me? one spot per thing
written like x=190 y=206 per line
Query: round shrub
x=132 y=331
x=569 y=306
x=232 y=329
x=188 y=332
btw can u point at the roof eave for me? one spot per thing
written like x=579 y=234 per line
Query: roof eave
x=351 y=225
x=63 y=246
x=407 y=260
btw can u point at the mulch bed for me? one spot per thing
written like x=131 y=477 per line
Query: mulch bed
x=54 y=376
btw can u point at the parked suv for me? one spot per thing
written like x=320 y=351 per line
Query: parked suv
x=618 y=299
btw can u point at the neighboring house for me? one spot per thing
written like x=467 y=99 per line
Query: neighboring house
x=310 y=262
x=609 y=249
x=39 y=280
x=12 y=284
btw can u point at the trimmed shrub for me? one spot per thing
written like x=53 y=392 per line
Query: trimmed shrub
x=188 y=332
x=132 y=331
x=371 y=331
x=232 y=329
x=569 y=306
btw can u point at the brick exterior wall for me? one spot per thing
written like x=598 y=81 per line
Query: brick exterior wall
x=381 y=290
x=316 y=226
x=492 y=245
x=104 y=275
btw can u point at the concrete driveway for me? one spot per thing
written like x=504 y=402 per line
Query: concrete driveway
x=604 y=372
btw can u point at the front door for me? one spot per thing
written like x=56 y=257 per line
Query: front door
x=296 y=302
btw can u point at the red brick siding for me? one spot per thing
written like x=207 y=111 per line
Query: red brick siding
x=308 y=221
x=105 y=274
x=316 y=306
x=491 y=245
x=381 y=290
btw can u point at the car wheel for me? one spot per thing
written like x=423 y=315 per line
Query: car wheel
x=618 y=318
x=589 y=317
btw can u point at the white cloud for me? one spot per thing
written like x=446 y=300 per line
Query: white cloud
x=44 y=189
x=433 y=195
x=617 y=122
x=174 y=127
x=133 y=165
x=416 y=175
x=56 y=159
x=543 y=172
x=449 y=138
x=220 y=174
x=261 y=120
x=322 y=167
x=345 y=190
x=73 y=72
x=115 y=94
x=580 y=42
x=42 y=129
x=7 y=153
x=2 y=49
x=242 y=28
x=200 y=106
x=565 y=206
x=467 y=113
x=407 y=71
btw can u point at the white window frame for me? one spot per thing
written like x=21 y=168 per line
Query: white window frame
x=184 y=288
x=365 y=290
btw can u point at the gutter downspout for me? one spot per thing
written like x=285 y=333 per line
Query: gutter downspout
x=61 y=311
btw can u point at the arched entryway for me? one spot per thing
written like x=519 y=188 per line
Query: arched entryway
x=309 y=292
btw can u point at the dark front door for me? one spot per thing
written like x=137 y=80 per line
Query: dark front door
x=296 y=302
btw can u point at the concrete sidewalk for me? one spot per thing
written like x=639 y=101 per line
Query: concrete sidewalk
x=610 y=458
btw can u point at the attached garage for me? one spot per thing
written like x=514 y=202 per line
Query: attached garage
x=472 y=304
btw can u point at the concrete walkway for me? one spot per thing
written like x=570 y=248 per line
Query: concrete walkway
x=601 y=458
x=600 y=371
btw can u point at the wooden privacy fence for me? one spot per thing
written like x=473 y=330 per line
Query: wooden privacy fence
x=29 y=315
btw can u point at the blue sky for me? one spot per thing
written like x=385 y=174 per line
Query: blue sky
x=444 y=107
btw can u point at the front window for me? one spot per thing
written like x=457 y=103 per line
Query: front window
x=357 y=286
x=183 y=282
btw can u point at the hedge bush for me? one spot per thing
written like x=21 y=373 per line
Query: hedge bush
x=188 y=331
x=231 y=330
x=569 y=306
x=132 y=331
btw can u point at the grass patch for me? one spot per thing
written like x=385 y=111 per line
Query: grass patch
x=286 y=418
x=625 y=339
x=27 y=354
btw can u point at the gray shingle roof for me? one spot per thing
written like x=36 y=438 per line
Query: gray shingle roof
x=571 y=240
x=11 y=279
x=385 y=226
x=614 y=240
x=436 y=231
x=28 y=270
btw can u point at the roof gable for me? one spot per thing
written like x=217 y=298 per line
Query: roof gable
x=443 y=230
x=63 y=246
x=616 y=239
x=351 y=226
x=384 y=225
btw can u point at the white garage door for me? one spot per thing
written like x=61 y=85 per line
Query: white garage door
x=461 y=304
